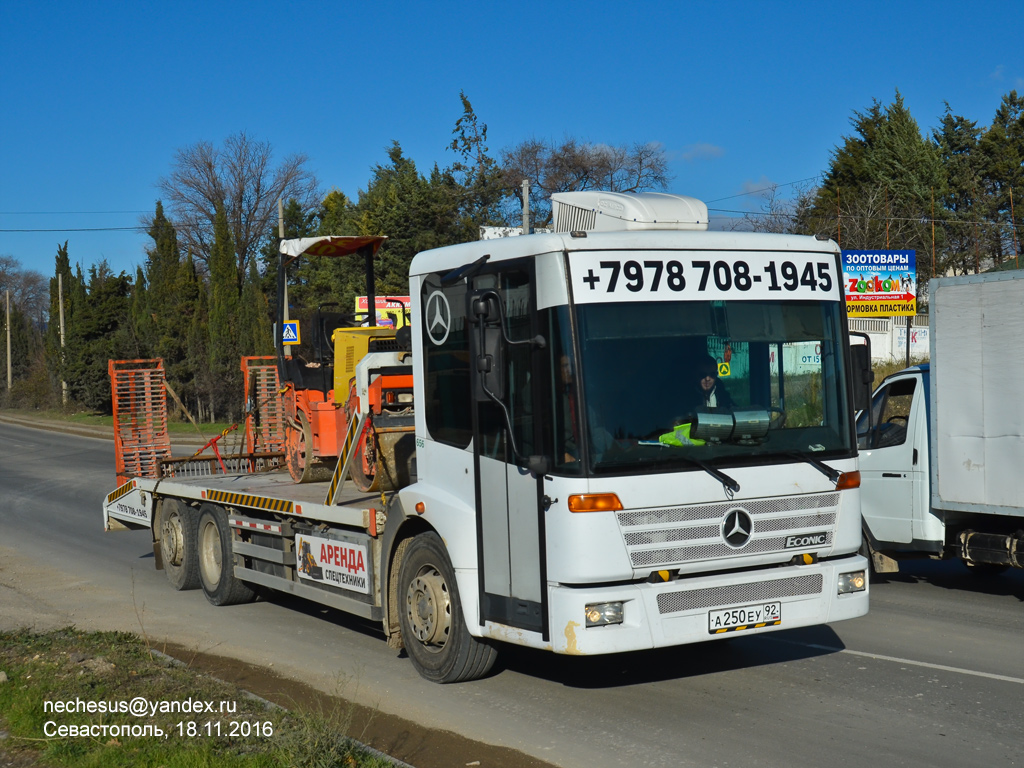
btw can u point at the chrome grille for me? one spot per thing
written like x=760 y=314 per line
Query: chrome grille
x=736 y=594
x=698 y=529
x=645 y=557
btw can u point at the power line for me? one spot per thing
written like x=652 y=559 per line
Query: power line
x=763 y=189
x=855 y=217
x=81 y=229
x=61 y=213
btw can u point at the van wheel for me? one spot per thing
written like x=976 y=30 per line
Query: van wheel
x=216 y=561
x=178 y=544
x=433 y=628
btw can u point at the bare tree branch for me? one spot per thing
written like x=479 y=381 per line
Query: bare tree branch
x=575 y=165
x=242 y=176
x=30 y=290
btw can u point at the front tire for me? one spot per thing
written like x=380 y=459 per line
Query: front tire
x=178 y=550
x=433 y=628
x=216 y=560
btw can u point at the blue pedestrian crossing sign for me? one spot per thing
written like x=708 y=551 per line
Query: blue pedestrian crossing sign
x=290 y=333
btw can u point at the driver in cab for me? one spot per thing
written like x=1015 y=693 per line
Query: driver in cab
x=707 y=393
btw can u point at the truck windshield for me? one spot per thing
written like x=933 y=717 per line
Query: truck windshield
x=723 y=382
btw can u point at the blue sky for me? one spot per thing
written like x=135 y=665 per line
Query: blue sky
x=96 y=97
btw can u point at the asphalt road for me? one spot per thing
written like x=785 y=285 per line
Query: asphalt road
x=933 y=676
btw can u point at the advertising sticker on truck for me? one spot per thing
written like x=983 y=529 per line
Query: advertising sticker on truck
x=696 y=275
x=127 y=504
x=328 y=561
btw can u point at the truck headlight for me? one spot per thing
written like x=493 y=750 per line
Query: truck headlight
x=601 y=614
x=856 y=581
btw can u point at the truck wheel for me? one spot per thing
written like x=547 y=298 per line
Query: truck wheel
x=178 y=544
x=433 y=628
x=216 y=560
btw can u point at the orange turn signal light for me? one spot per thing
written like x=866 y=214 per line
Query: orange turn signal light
x=848 y=480
x=594 y=502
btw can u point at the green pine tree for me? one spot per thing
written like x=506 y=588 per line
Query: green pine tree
x=225 y=348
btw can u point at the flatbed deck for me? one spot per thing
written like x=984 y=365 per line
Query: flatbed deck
x=132 y=503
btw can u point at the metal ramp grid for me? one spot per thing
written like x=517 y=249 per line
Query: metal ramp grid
x=265 y=430
x=141 y=439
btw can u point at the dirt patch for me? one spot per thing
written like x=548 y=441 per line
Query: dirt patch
x=395 y=736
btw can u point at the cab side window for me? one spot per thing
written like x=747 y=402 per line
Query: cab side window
x=892 y=414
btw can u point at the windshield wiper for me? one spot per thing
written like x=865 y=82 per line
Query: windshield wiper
x=830 y=472
x=724 y=479
x=719 y=475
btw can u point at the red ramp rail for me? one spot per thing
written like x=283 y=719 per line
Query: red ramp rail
x=141 y=440
x=265 y=429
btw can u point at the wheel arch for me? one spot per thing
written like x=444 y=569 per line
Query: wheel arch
x=398 y=531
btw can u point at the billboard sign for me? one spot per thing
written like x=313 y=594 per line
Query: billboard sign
x=880 y=283
x=391 y=310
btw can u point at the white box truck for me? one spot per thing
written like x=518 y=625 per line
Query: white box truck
x=566 y=491
x=942 y=461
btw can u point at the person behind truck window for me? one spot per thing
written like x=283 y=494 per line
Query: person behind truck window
x=710 y=392
x=600 y=439
x=570 y=427
x=707 y=393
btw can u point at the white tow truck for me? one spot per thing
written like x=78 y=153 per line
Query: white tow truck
x=941 y=456
x=566 y=493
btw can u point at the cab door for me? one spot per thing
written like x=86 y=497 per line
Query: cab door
x=890 y=462
x=508 y=496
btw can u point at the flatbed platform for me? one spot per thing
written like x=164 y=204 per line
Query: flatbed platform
x=132 y=503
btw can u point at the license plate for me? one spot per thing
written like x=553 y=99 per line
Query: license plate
x=745 y=617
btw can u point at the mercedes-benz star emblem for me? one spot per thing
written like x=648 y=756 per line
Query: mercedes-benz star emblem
x=737 y=527
x=439 y=318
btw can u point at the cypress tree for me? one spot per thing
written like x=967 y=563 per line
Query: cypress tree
x=224 y=332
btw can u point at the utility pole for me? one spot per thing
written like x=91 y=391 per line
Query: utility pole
x=8 y=324
x=282 y=285
x=526 y=206
x=60 y=300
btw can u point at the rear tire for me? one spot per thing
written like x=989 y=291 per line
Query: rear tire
x=433 y=628
x=216 y=561
x=178 y=549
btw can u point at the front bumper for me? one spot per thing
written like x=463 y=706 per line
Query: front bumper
x=676 y=612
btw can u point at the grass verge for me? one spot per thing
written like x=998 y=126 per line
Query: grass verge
x=50 y=682
x=92 y=419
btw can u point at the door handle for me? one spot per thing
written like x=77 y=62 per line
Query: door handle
x=892 y=474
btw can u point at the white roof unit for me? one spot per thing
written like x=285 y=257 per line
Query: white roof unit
x=616 y=211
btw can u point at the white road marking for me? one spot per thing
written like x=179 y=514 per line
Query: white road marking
x=910 y=662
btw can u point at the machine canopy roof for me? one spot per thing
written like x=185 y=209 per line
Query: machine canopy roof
x=332 y=245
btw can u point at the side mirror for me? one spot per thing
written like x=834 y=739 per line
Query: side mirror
x=862 y=375
x=486 y=346
x=538 y=465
